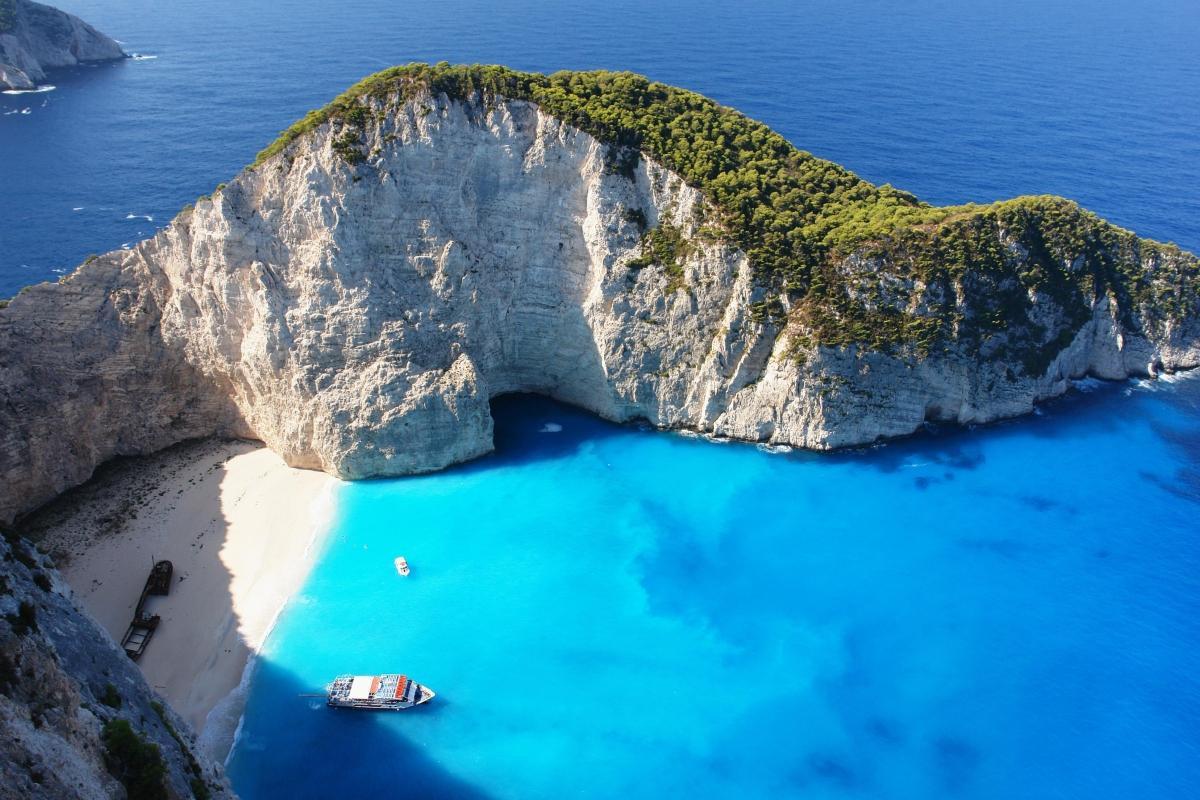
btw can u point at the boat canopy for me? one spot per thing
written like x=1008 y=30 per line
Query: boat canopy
x=360 y=687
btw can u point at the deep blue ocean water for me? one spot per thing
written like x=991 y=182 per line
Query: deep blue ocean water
x=1009 y=612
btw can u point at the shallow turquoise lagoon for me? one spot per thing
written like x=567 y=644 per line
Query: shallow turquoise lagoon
x=614 y=612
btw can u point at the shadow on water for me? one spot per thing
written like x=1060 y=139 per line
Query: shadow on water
x=1103 y=407
x=1184 y=441
x=340 y=753
x=1182 y=437
x=533 y=427
x=530 y=428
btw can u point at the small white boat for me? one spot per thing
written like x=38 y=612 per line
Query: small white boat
x=401 y=565
x=376 y=692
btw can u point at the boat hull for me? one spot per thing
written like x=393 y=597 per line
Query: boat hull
x=414 y=695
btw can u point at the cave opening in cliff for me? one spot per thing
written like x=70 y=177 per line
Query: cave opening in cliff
x=534 y=426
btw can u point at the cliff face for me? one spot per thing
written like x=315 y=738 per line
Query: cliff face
x=357 y=299
x=61 y=681
x=36 y=37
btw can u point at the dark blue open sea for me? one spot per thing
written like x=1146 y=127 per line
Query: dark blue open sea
x=1008 y=612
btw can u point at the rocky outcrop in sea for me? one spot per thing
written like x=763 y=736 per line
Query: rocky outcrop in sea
x=36 y=37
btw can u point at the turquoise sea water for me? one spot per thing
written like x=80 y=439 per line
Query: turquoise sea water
x=614 y=612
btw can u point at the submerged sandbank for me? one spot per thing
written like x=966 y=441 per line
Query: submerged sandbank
x=237 y=523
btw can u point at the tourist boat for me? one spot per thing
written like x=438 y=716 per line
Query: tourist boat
x=376 y=692
x=402 y=565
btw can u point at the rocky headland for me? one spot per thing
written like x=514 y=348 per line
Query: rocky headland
x=36 y=37
x=441 y=235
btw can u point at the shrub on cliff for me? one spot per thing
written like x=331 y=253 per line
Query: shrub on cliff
x=111 y=697
x=133 y=761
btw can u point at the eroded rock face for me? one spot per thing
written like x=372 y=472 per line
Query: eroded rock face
x=358 y=317
x=36 y=37
x=61 y=679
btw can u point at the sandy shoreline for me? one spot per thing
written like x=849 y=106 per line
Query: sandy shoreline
x=238 y=525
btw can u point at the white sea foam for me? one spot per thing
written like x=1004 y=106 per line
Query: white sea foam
x=77 y=208
x=1148 y=384
x=1164 y=382
x=142 y=57
x=146 y=217
x=551 y=427
x=776 y=449
x=1179 y=377
x=38 y=90
x=1087 y=384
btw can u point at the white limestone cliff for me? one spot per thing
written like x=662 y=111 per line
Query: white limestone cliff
x=36 y=37
x=358 y=318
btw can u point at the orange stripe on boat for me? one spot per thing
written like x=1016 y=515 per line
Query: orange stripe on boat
x=374 y=685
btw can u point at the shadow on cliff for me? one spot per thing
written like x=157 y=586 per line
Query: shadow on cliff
x=291 y=746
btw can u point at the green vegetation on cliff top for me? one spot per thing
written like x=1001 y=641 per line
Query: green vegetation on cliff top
x=798 y=218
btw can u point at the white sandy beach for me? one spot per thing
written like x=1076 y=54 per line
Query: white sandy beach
x=238 y=525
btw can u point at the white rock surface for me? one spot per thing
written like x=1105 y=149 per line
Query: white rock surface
x=41 y=37
x=359 y=318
